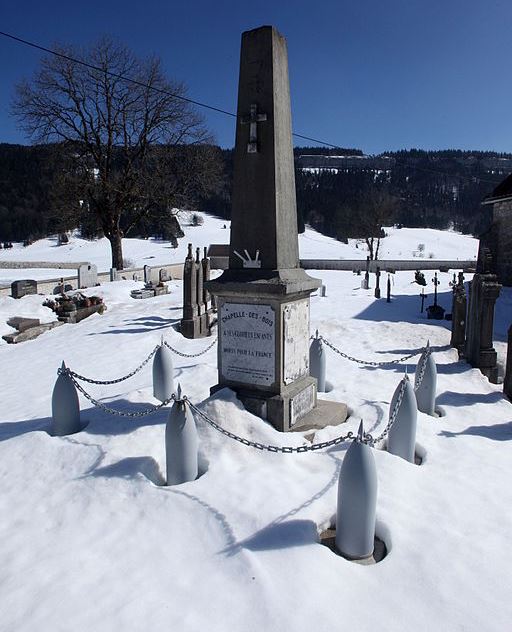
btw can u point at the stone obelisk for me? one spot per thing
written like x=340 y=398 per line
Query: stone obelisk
x=263 y=298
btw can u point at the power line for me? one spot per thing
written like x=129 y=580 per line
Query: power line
x=210 y=107
x=115 y=74
x=140 y=83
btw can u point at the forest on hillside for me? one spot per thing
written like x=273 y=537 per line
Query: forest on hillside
x=437 y=189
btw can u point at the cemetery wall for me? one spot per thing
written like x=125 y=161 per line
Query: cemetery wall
x=385 y=265
x=18 y=265
x=48 y=286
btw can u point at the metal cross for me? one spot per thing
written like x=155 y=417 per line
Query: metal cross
x=436 y=282
x=253 y=120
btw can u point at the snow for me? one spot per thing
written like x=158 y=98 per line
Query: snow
x=140 y=252
x=92 y=539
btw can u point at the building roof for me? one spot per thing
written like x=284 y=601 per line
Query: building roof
x=502 y=192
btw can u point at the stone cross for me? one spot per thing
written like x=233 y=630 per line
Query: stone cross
x=253 y=120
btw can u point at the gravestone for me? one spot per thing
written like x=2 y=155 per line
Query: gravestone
x=479 y=350
x=23 y=287
x=87 y=275
x=263 y=297
x=151 y=275
x=163 y=275
x=113 y=274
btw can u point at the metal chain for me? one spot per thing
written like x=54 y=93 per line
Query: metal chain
x=394 y=414
x=420 y=374
x=190 y=355
x=263 y=446
x=350 y=436
x=113 y=411
x=367 y=437
x=77 y=376
x=352 y=359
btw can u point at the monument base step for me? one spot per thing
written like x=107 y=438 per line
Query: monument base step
x=325 y=413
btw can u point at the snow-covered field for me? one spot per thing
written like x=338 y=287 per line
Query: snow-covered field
x=92 y=540
x=400 y=244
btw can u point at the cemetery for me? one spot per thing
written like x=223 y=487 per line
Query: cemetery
x=266 y=445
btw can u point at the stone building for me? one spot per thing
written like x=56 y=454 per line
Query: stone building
x=495 y=252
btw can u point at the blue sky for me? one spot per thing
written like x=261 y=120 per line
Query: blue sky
x=377 y=75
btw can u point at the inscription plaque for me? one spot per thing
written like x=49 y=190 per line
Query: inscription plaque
x=296 y=340
x=247 y=351
x=302 y=403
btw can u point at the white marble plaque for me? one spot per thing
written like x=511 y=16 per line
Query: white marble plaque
x=301 y=404
x=247 y=339
x=296 y=340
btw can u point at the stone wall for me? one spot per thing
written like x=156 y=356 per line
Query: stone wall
x=18 y=265
x=502 y=217
x=49 y=286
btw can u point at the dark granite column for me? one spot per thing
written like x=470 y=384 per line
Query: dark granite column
x=484 y=291
x=487 y=362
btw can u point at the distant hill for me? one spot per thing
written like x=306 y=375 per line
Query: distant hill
x=340 y=191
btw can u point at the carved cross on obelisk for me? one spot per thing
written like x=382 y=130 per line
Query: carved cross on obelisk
x=253 y=120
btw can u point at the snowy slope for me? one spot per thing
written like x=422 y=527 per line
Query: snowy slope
x=92 y=540
x=399 y=244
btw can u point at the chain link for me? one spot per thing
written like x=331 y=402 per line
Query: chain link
x=350 y=436
x=77 y=376
x=394 y=413
x=422 y=364
x=190 y=355
x=367 y=437
x=113 y=411
x=263 y=446
x=385 y=362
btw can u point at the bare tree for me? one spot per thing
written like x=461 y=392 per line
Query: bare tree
x=377 y=209
x=121 y=136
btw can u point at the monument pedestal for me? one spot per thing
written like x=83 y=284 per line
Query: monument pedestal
x=263 y=350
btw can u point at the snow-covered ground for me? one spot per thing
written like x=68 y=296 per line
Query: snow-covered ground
x=399 y=244
x=92 y=540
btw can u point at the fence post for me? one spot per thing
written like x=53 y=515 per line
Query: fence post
x=65 y=406
x=317 y=362
x=425 y=383
x=163 y=381
x=357 y=501
x=181 y=443
x=402 y=434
